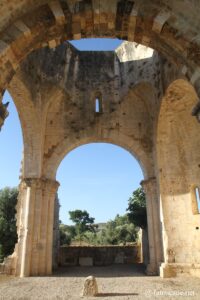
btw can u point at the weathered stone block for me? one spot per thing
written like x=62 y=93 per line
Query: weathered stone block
x=90 y=287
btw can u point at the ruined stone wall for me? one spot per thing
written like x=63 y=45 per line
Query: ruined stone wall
x=171 y=28
x=60 y=87
x=55 y=124
x=98 y=255
x=55 y=92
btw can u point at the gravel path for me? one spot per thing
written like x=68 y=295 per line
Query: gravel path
x=115 y=282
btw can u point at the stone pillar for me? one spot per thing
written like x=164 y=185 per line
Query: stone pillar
x=154 y=227
x=181 y=242
x=145 y=247
x=56 y=233
x=35 y=219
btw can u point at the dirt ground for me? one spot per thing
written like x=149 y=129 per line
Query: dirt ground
x=114 y=282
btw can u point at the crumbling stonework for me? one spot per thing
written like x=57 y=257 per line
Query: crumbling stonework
x=146 y=99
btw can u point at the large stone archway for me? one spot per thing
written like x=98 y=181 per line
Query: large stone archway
x=154 y=251
x=58 y=115
x=57 y=109
x=172 y=29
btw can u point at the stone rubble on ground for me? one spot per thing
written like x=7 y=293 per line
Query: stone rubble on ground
x=90 y=288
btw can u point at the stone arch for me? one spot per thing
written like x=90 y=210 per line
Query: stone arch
x=22 y=99
x=137 y=140
x=138 y=145
x=115 y=139
x=33 y=122
x=34 y=25
x=178 y=157
x=153 y=250
x=37 y=26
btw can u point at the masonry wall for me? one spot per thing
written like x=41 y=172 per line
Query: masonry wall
x=55 y=92
x=99 y=255
x=51 y=130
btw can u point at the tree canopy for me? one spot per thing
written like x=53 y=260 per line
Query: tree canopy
x=83 y=222
x=115 y=232
x=118 y=231
x=8 y=231
x=123 y=229
x=137 y=208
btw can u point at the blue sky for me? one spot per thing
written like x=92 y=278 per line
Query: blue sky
x=97 y=177
x=96 y=44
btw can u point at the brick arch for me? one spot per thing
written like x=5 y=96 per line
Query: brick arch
x=34 y=26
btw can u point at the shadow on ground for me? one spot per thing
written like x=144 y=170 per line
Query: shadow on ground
x=130 y=270
x=116 y=294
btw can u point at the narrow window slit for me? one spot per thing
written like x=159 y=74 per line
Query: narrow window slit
x=98 y=108
x=197 y=194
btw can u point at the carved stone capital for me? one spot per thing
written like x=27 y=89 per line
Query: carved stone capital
x=40 y=183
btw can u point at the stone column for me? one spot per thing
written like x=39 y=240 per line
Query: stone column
x=56 y=233
x=145 y=247
x=154 y=227
x=35 y=219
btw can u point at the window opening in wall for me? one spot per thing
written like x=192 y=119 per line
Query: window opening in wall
x=97 y=105
x=197 y=194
